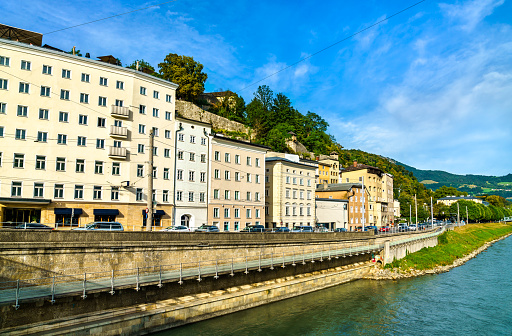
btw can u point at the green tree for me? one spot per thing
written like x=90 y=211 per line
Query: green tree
x=497 y=201
x=231 y=107
x=143 y=66
x=185 y=72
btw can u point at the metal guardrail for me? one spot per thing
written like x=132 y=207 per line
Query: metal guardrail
x=16 y=291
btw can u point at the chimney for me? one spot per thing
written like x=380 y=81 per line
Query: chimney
x=74 y=48
x=355 y=164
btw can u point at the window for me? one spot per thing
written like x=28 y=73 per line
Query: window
x=156 y=94
x=24 y=87
x=140 y=170
x=227 y=175
x=81 y=141
x=142 y=90
x=301 y=194
x=58 y=191
x=79 y=191
x=168 y=98
x=80 y=165
x=216 y=194
x=216 y=173
x=191 y=176
x=116 y=168
x=155 y=131
x=266 y=192
x=249 y=162
x=167 y=134
x=203 y=177
x=98 y=167
x=155 y=112
x=166 y=173
x=248 y=213
x=155 y=172
x=97 y=192
x=119 y=103
x=257 y=179
x=3 y=108
x=192 y=139
x=257 y=196
x=44 y=114
x=237 y=195
x=165 y=196
x=64 y=94
x=138 y=194
x=249 y=177
x=103 y=81
x=114 y=193
x=237 y=159
x=294 y=194
x=309 y=195
x=257 y=162
x=82 y=119
x=203 y=158
x=100 y=143
x=22 y=111
x=215 y=212
x=217 y=156
x=168 y=115
x=180 y=155
x=248 y=195
x=301 y=181
x=19 y=160
x=202 y=197
x=191 y=196
x=237 y=213
x=227 y=194
x=40 y=162
x=45 y=90
x=62 y=139
x=203 y=141
x=142 y=129
x=167 y=152
x=226 y=213
x=86 y=78
x=155 y=151
x=101 y=122
x=120 y=85
x=84 y=98
x=63 y=116
x=287 y=193
x=267 y=179
x=20 y=134
x=237 y=176
x=25 y=65
x=4 y=61
x=16 y=189
x=257 y=213
x=102 y=101
x=60 y=164
x=179 y=195
x=181 y=137
x=192 y=157
x=294 y=180
x=227 y=157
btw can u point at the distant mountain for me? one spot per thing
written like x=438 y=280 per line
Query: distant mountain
x=473 y=184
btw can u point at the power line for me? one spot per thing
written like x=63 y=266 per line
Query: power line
x=332 y=45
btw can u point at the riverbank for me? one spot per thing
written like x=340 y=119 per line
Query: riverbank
x=454 y=249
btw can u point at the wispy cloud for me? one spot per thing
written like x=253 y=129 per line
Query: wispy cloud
x=470 y=13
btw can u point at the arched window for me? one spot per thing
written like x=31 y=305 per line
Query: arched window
x=185 y=220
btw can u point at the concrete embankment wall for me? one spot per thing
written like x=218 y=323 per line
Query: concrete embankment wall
x=28 y=255
x=164 y=314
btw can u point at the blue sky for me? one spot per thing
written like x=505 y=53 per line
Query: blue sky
x=431 y=87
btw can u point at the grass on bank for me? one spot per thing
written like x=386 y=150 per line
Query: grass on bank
x=452 y=245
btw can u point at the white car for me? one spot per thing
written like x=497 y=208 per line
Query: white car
x=412 y=228
x=179 y=228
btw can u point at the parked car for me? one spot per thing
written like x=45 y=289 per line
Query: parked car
x=412 y=227
x=33 y=226
x=360 y=228
x=402 y=227
x=422 y=226
x=207 y=228
x=303 y=229
x=372 y=227
x=321 y=229
x=281 y=229
x=384 y=229
x=253 y=228
x=179 y=228
x=101 y=226
x=340 y=230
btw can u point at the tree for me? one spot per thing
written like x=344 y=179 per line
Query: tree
x=231 y=107
x=497 y=201
x=185 y=72
x=144 y=67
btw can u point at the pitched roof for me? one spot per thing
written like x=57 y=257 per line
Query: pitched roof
x=337 y=187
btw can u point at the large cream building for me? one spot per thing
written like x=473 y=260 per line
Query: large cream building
x=289 y=191
x=237 y=188
x=74 y=136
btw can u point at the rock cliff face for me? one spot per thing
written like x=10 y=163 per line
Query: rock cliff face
x=192 y=111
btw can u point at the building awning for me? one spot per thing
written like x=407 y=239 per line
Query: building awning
x=156 y=213
x=106 y=212
x=67 y=211
x=24 y=200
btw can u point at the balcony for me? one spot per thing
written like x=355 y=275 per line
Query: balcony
x=120 y=111
x=118 y=132
x=117 y=152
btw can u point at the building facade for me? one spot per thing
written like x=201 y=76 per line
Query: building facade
x=289 y=191
x=237 y=188
x=191 y=176
x=74 y=136
x=332 y=165
x=449 y=200
x=332 y=213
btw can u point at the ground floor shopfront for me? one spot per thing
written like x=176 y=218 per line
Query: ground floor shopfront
x=67 y=215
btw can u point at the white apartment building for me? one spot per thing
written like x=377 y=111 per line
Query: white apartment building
x=74 y=135
x=193 y=147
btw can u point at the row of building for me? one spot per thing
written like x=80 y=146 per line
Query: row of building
x=74 y=142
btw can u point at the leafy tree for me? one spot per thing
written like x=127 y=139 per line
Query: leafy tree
x=231 y=107
x=143 y=66
x=185 y=72
x=497 y=201
x=77 y=52
x=448 y=191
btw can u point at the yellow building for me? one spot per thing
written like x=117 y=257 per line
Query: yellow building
x=332 y=167
x=74 y=137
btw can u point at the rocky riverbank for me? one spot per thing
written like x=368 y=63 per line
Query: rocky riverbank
x=378 y=273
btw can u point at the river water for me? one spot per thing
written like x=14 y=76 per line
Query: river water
x=473 y=299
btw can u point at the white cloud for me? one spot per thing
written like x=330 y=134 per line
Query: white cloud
x=470 y=13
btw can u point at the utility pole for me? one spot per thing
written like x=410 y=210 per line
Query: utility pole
x=410 y=213
x=431 y=213
x=362 y=180
x=467 y=216
x=149 y=219
x=416 y=206
x=458 y=215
